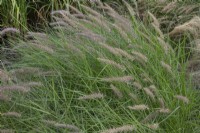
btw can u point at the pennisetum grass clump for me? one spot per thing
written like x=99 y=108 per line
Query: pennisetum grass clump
x=92 y=52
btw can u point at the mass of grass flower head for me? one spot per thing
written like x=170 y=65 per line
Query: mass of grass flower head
x=97 y=71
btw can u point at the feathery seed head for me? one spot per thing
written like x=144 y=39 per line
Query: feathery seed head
x=154 y=126
x=116 y=91
x=125 y=79
x=133 y=96
x=146 y=77
x=4 y=77
x=9 y=30
x=49 y=122
x=4 y=97
x=67 y=126
x=91 y=96
x=150 y=117
x=140 y=107
x=162 y=104
x=6 y=131
x=153 y=89
x=166 y=67
x=137 y=85
x=110 y=49
x=15 y=88
x=125 y=128
x=125 y=54
x=11 y=114
x=169 y=7
x=149 y=93
x=113 y=63
x=182 y=98
x=155 y=20
x=164 y=110
x=191 y=26
x=139 y=56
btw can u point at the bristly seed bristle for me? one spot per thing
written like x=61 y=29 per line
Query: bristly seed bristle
x=6 y=131
x=169 y=7
x=67 y=126
x=140 y=107
x=166 y=67
x=49 y=122
x=182 y=98
x=32 y=84
x=4 y=76
x=11 y=114
x=133 y=96
x=125 y=54
x=110 y=49
x=113 y=63
x=125 y=128
x=43 y=47
x=166 y=47
x=137 y=85
x=153 y=89
x=155 y=20
x=125 y=79
x=162 y=104
x=15 y=88
x=61 y=125
x=9 y=30
x=91 y=96
x=150 y=117
x=140 y=57
x=149 y=93
x=154 y=126
x=146 y=78
x=164 y=110
x=4 y=97
x=116 y=91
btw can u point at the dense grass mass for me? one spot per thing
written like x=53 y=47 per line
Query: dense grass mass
x=96 y=71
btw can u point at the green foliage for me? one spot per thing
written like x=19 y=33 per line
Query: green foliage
x=23 y=13
x=13 y=13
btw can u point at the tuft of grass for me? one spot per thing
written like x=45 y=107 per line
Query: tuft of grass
x=79 y=63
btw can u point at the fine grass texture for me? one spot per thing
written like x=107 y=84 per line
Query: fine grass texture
x=32 y=14
x=24 y=13
x=97 y=71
